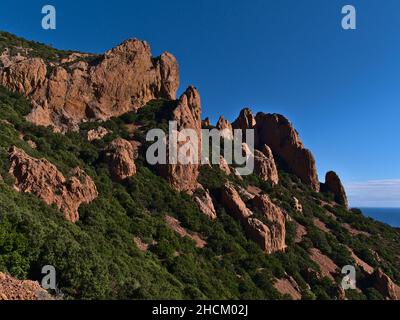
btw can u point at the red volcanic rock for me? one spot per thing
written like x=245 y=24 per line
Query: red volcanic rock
x=97 y=134
x=224 y=166
x=206 y=123
x=270 y=238
x=187 y=114
x=44 y=180
x=225 y=128
x=278 y=133
x=205 y=203
x=24 y=76
x=334 y=185
x=246 y=120
x=231 y=199
x=385 y=285
x=121 y=156
x=14 y=289
x=273 y=214
x=123 y=79
x=264 y=165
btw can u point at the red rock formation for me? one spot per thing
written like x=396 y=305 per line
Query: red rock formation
x=97 y=134
x=43 y=179
x=270 y=238
x=273 y=214
x=246 y=120
x=334 y=185
x=175 y=225
x=385 y=285
x=297 y=205
x=234 y=204
x=206 y=123
x=24 y=76
x=223 y=165
x=187 y=114
x=225 y=128
x=123 y=79
x=278 y=133
x=121 y=159
x=205 y=203
x=14 y=289
x=264 y=165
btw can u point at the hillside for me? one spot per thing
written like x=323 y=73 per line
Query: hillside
x=77 y=193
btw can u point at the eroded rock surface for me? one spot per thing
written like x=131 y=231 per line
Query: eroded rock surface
x=187 y=114
x=334 y=185
x=123 y=79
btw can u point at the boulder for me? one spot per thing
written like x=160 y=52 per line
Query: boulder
x=121 y=155
x=187 y=114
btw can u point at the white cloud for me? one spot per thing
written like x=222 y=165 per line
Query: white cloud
x=374 y=193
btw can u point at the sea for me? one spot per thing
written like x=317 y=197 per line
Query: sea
x=390 y=216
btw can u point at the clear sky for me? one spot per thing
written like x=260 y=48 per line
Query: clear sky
x=339 y=88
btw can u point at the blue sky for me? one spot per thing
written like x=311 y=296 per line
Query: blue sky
x=339 y=88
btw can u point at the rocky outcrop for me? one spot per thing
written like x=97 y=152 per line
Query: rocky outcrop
x=225 y=128
x=175 y=225
x=187 y=114
x=97 y=134
x=205 y=203
x=278 y=133
x=224 y=166
x=246 y=120
x=334 y=185
x=206 y=123
x=275 y=216
x=297 y=205
x=123 y=79
x=385 y=285
x=23 y=75
x=121 y=155
x=271 y=238
x=264 y=165
x=14 y=289
x=44 y=180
